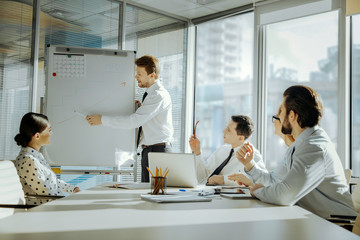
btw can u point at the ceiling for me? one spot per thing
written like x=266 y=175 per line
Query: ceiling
x=193 y=8
x=95 y=18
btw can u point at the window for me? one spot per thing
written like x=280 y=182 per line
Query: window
x=301 y=52
x=15 y=72
x=355 y=132
x=224 y=76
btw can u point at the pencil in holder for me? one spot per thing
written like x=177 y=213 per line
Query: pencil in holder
x=158 y=185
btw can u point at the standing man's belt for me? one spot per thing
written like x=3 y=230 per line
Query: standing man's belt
x=154 y=145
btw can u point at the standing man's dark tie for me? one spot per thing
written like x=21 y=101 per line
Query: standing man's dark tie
x=222 y=165
x=140 y=128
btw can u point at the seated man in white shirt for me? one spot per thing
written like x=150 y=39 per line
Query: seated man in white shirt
x=153 y=117
x=223 y=162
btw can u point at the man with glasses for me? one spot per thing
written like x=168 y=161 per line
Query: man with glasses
x=314 y=176
x=288 y=139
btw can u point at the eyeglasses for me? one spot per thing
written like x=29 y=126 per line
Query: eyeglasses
x=274 y=118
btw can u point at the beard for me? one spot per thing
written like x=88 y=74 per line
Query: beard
x=286 y=127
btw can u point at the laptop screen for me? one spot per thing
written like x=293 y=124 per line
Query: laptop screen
x=181 y=167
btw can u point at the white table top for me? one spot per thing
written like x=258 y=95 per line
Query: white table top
x=105 y=213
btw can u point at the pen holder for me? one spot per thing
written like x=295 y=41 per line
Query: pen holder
x=158 y=185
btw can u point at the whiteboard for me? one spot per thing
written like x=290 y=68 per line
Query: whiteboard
x=83 y=81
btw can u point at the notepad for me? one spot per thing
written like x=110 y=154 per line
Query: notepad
x=174 y=198
x=237 y=196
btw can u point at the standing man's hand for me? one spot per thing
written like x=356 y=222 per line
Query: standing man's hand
x=138 y=103
x=216 y=180
x=94 y=120
x=195 y=145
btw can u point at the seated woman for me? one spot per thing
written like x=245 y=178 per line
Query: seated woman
x=34 y=171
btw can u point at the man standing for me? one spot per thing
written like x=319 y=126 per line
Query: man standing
x=215 y=169
x=314 y=176
x=153 y=117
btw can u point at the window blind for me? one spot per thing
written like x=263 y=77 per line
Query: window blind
x=15 y=70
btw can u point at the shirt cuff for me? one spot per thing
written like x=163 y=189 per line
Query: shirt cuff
x=258 y=193
x=198 y=157
x=71 y=188
x=253 y=170
x=105 y=120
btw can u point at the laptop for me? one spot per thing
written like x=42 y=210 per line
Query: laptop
x=181 y=167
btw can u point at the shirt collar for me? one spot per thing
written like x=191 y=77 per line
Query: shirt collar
x=305 y=134
x=32 y=152
x=237 y=148
x=154 y=87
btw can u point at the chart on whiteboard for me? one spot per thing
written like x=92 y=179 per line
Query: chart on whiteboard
x=69 y=65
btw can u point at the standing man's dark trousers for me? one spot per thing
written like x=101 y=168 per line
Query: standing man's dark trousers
x=145 y=161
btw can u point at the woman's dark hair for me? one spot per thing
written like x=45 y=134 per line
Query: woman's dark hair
x=30 y=124
x=244 y=125
x=305 y=102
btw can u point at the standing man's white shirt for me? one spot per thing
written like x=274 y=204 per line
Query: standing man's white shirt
x=205 y=167
x=154 y=115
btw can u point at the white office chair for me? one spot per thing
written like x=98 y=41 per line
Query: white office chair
x=343 y=220
x=347 y=175
x=356 y=201
x=356 y=197
x=11 y=193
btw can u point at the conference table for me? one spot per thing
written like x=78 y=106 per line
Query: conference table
x=103 y=212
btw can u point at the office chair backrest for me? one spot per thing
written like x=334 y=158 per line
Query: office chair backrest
x=11 y=191
x=347 y=175
x=356 y=227
x=356 y=198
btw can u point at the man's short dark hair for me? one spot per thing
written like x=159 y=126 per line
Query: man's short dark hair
x=306 y=103
x=244 y=125
x=150 y=63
